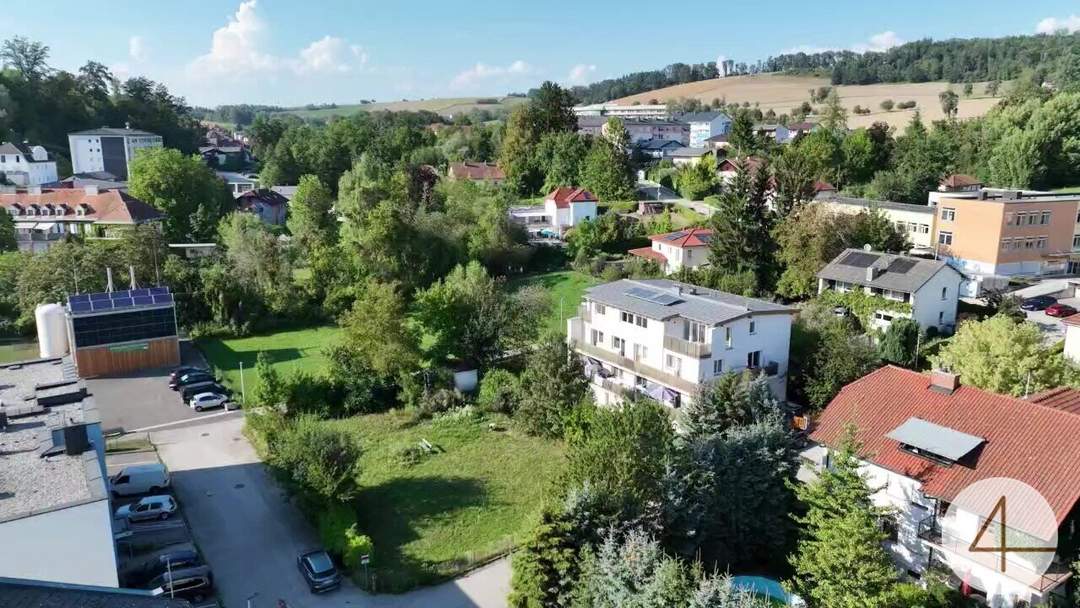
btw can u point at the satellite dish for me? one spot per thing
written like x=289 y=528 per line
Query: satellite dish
x=867 y=247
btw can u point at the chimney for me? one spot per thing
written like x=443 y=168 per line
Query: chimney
x=33 y=189
x=76 y=440
x=944 y=382
x=90 y=190
x=872 y=272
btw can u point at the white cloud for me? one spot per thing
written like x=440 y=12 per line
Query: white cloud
x=137 y=48
x=237 y=48
x=1053 y=25
x=876 y=44
x=580 y=73
x=483 y=72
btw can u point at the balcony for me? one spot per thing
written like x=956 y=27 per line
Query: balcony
x=686 y=348
x=584 y=313
x=37 y=237
x=930 y=531
x=578 y=343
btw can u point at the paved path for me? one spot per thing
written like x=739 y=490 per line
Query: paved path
x=652 y=191
x=250 y=533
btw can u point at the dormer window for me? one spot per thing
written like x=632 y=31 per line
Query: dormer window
x=80 y=210
x=60 y=210
x=46 y=210
x=31 y=210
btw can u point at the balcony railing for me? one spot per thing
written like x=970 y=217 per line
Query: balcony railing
x=930 y=531
x=578 y=342
x=697 y=350
x=39 y=236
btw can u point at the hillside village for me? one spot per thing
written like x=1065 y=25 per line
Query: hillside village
x=655 y=350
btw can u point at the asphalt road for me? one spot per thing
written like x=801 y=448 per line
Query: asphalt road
x=251 y=534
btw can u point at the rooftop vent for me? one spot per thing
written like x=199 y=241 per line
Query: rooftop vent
x=91 y=190
x=76 y=440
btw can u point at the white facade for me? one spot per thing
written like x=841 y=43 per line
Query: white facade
x=1072 y=341
x=915 y=221
x=933 y=304
x=571 y=215
x=670 y=358
x=681 y=257
x=68 y=545
x=659 y=110
x=109 y=150
x=24 y=169
x=702 y=130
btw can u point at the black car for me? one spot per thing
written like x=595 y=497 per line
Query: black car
x=185 y=369
x=1038 y=303
x=210 y=386
x=318 y=571
x=194 y=583
x=190 y=378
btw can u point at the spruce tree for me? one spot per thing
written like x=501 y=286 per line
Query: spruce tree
x=742 y=228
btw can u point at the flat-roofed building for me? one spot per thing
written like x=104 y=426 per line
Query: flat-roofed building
x=914 y=221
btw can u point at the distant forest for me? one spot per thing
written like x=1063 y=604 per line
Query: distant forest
x=972 y=60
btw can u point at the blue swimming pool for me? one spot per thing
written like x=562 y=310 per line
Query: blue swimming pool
x=766 y=587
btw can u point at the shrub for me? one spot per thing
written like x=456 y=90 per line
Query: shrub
x=906 y=105
x=318 y=461
x=356 y=546
x=611 y=273
x=334 y=520
x=410 y=455
x=498 y=392
x=887 y=105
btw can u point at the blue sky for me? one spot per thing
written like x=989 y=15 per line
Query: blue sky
x=289 y=52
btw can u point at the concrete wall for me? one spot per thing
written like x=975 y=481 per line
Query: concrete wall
x=73 y=545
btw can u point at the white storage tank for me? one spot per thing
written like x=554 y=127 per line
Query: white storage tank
x=51 y=330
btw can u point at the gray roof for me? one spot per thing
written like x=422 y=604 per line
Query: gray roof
x=113 y=131
x=699 y=116
x=657 y=144
x=686 y=152
x=287 y=191
x=20 y=593
x=31 y=483
x=8 y=147
x=696 y=303
x=599 y=121
x=895 y=272
x=868 y=203
x=935 y=439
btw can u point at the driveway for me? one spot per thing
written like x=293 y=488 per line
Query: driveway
x=251 y=534
x=652 y=191
x=143 y=399
x=1052 y=329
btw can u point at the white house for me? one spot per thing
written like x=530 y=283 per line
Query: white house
x=639 y=129
x=915 y=221
x=930 y=287
x=568 y=207
x=688 y=156
x=727 y=168
x=109 y=149
x=55 y=518
x=704 y=125
x=924 y=439
x=687 y=248
x=1072 y=338
x=239 y=183
x=641 y=110
x=778 y=133
x=665 y=338
x=26 y=165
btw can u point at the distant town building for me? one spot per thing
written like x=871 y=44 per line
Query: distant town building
x=239 y=183
x=268 y=205
x=673 y=251
x=916 y=222
x=688 y=156
x=657 y=148
x=778 y=133
x=568 y=207
x=26 y=165
x=122 y=331
x=657 y=111
x=704 y=125
x=44 y=216
x=488 y=173
x=109 y=149
x=639 y=129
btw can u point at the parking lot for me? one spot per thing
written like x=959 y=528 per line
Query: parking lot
x=1052 y=329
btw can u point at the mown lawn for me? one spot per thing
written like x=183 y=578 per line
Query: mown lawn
x=19 y=351
x=291 y=350
x=565 y=288
x=475 y=497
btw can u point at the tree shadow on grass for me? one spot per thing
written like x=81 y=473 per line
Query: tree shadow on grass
x=390 y=513
x=223 y=357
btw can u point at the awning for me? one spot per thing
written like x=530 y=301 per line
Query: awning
x=44 y=225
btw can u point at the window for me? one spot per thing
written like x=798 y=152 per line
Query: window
x=1007 y=244
x=753 y=359
x=617 y=342
x=599 y=308
x=693 y=332
x=1029 y=243
x=941 y=317
x=597 y=337
x=718 y=367
x=944 y=292
x=1009 y=218
x=626 y=317
x=1078 y=216
x=1076 y=241
x=1032 y=219
x=890 y=528
x=948 y=214
x=1040 y=242
x=673 y=363
x=640 y=352
x=1045 y=218
x=944 y=238
x=640 y=382
x=641 y=321
x=753 y=326
x=924 y=228
x=727 y=337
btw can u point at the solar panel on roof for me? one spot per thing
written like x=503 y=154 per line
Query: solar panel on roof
x=641 y=293
x=158 y=290
x=164 y=298
x=935 y=439
x=80 y=306
x=859 y=259
x=100 y=297
x=123 y=303
x=102 y=305
x=138 y=293
x=901 y=266
x=674 y=236
x=81 y=297
x=664 y=299
x=143 y=300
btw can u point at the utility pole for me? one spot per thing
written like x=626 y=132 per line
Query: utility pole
x=243 y=392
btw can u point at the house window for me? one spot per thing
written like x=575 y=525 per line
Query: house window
x=641 y=321
x=626 y=317
x=640 y=352
x=597 y=337
x=617 y=342
x=599 y=308
x=1007 y=243
x=948 y=214
x=753 y=359
x=1076 y=241
x=693 y=332
x=1032 y=219
x=640 y=382
x=1009 y=218
x=924 y=228
x=941 y=317
x=891 y=528
x=727 y=337
x=718 y=367
x=753 y=326
x=944 y=238
x=1029 y=243
x=944 y=292
x=1040 y=243
x=1045 y=219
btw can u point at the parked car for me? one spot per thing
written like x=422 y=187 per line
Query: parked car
x=1060 y=310
x=193 y=584
x=171 y=558
x=150 y=507
x=204 y=401
x=188 y=392
x=1038 y=302
x=190 y=378
x=185 y=369
x=318 y=571
x=140 y=479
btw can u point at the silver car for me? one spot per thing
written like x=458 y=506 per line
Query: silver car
x=150 y=507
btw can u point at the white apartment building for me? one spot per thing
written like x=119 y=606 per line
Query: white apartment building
x=930 y=287
x=916 y=221
x=108 y=149
x=924 y=440
x=26 y=165
x=704 y=125
x=639 y=130
x=665 y=339
x=673 y=251
x=657 y=111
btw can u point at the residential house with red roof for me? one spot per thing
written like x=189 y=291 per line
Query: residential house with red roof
x=44 y=216
x=687 y=248
x=270 y=206
x=488 y=173
x=935 y=452
x=567 y=207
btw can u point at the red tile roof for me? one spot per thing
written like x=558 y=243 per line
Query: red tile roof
x=649 y=252
x=690 y=237
x=107 y=206
x=563 y=196
x=1062 y=398
x=1030 y=442
x=476 y=171
x=731 y=164
x=822 y=186
x=265 y=196
x=959 y=180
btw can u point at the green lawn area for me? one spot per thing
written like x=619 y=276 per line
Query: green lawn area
x=1068 y=190
x=565 y=287
x=18 y=351
x=472 y=500
x=291 y=350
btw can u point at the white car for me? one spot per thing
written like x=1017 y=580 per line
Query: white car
x=203 y=401
x=150 y=507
